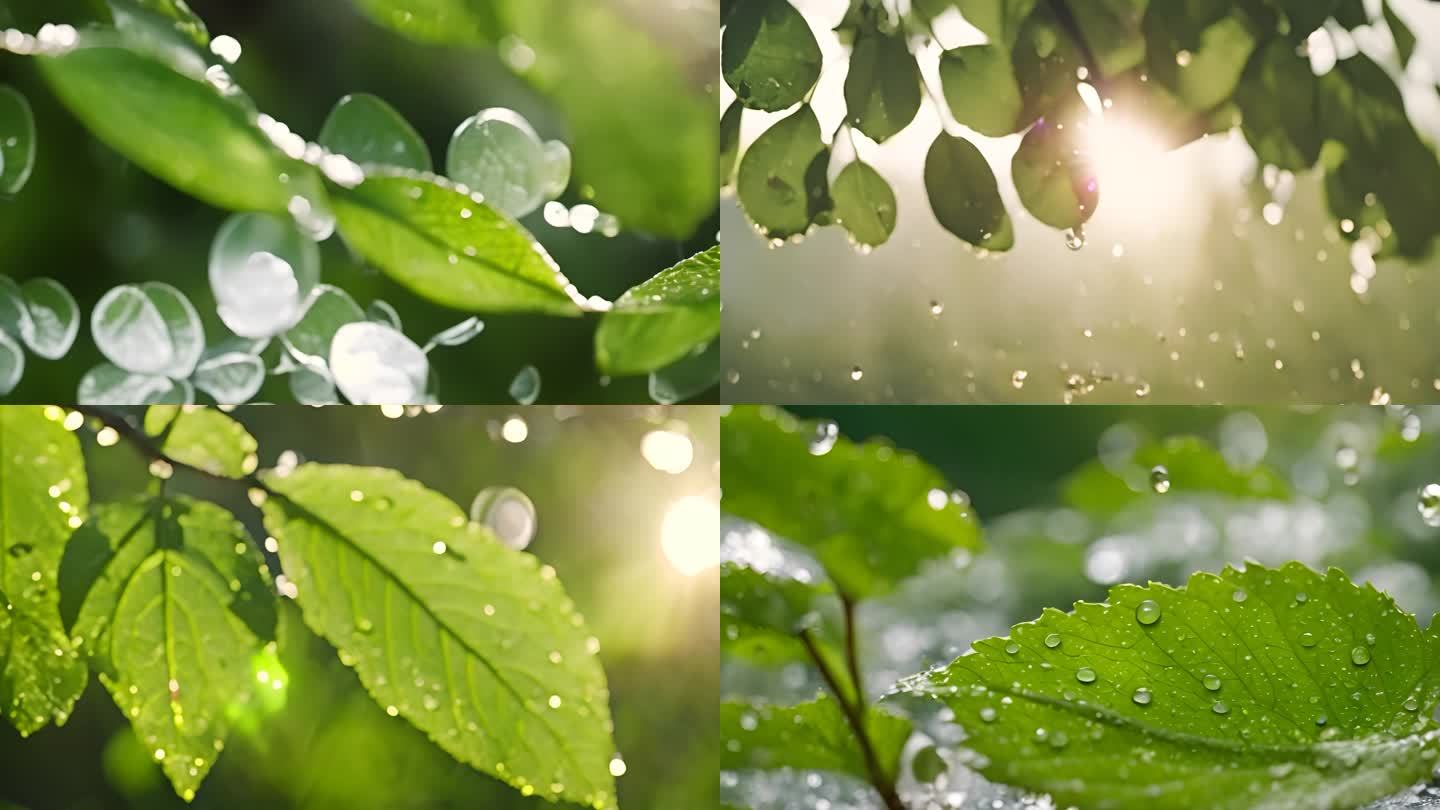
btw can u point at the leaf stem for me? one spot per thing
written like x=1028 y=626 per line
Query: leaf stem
x=142 y=442
x=854 y=711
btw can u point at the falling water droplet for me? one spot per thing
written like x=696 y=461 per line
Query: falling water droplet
x=1429 y=504
x=525 y=388
x=1075 y=237
x=1160 y=479
x=856 y=373
x=508 y=513
x=1018 y=378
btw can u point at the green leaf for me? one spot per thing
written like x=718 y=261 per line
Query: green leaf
x=1404 y=39
x=1205 y=72
x=1304 y=16
x=149 y=101
x=864 y=204
x=688 y=377
x=41 y=674
x=447 y=22
x=477 y=645
x=730 y=142
x=769 y=55
x=1055 y=183
x=763 y=612
x=964 y=195
x=782 y=184
x=1046 y=60
x=872 y=515
x=367 y=130
x=17 y=140
x=1000 y=20
x=1191 y=466
x=642 y=123
x=662 y=320
x=1278 y=102
x=203 y=438
x=1112 y=30
x=448 y=247
x=1261 y=688
x=811 y=736
x=174 y=602
x=882 y=89
x=185 y=21
x=980 y=88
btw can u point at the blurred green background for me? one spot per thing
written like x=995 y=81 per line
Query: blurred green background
x=92 y=220
x=322 y=742
x=1035 y=475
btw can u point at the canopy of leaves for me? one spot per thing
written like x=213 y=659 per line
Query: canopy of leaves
x=1252 y=688
x=663 y=320
x=872 y=515
x=43 y=495
x=474 y=643
x=811 y=736
x=171 y=600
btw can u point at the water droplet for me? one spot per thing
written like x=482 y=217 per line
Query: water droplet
x=1160 y=479
x=1141 y=697
x=1052 y=641
x=1219 y=707
x=1018 y=378
x=1075 y=237
x=498 y=154
x=1211 y=682
x=1360 y=656
x=1239 y=596
x=1429 y=504
x=1307 y=639
x=508 y=513
x=987 y=713
x=373 y=364
x=1411 y=704
x=1302 y=597
x=1085 y=675
x=1147 y=612
x=1011 y=647
x=856 y=373
x=525 y=388
x=826 y=434
x=262 y=270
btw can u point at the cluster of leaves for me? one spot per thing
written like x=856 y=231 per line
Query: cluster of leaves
x=1182 y=70
x=168 y=600
x=1253 y=687
x=180 y=116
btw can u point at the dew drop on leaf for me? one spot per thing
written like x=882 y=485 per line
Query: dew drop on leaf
x=1012 y=648
x=497 y=153
x=1147 y=612
x=1211 y=682
x=1239 y=596
x=1219 y=707
x=987 y=714
x=1307 y=639
x=1141 y=697
x=1360 y=656
x=1085 y=675
x=508 y=513
x=1052 y=641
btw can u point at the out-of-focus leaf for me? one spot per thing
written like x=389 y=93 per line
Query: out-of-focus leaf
x=811 y=736
x=474 y=643
x=173 y=602
x=203 y=437
x=186 y=22
x=1112 y=30
x=1278 y=99
x=872 y=515
x=688 y=377
x=1254 y=688
x=366 y=129
x=1181 y=465
x=450 y=248
x=1001 y=20
x=153 y=105
x=864 y=204
x=1201 y=71
x=782 y=184
x=964 y=195
x=882 y=89
x=768 y=55
x=662 y=320
x=41 y=673
x=980 y=88
x=1046 y=60
x=450 y=22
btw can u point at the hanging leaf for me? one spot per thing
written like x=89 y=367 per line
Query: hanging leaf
x=812 y=736
x=840 y=500
x=475 y=644
x=882 y=89
x=1201 y=70
x=1056 y=185
x=864 y=204
x=41 y=673
x=1278 y=100
x=980 y=89
x=782 y=184
x=171 y=600
x=964 y=195
x=367 y=130
x=730 y=142
x=152 y=104
x=449 y=248
x=1254 y=688
x=662 y=320
x=768 y=55
x=203 y=437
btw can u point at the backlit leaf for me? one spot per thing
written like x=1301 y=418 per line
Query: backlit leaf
x=782 y=184
x=768 y=55
x=662 y=320
x=204 y=438
x=980 y=88
x=882 y=89
x=1186 y=465
x=964 y=195
x=864 y=204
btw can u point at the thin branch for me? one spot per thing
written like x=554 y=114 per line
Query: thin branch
x=854 y=715
x=147 y=446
